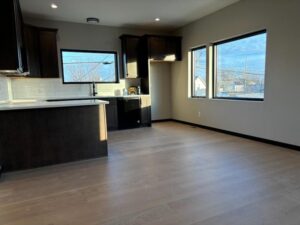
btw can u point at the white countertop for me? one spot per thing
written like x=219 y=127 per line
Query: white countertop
x=95 y=97
x=37 y=104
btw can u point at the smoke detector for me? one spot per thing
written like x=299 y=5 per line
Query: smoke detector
x=92 y=20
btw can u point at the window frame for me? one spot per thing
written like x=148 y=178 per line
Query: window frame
x=214 y=69
x=192 y=72
x=90 y=51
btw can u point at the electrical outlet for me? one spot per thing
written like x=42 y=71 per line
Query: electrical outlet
x=199 y=114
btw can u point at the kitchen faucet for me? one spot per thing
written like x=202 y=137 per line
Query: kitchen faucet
x=94 y=93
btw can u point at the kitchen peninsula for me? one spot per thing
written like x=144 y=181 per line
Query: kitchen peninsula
x=40 y=133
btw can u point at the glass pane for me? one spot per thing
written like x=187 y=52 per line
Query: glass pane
x=89 y=66
x=240 y=68
x=199 y=72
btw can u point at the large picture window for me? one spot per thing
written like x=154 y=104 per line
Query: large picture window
x=239 y=67
x=198 y=56
x=89 y=66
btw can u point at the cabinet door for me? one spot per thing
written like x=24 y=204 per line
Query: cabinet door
x=157 y=48
x=173 y=49
x=48 y=53
x=111 y=114
x=146 y=110
x=129 y=113
x=32 y=50
x=164 y=48
x=130 y=46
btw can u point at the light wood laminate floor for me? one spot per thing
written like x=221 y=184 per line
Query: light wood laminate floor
x=170 y=174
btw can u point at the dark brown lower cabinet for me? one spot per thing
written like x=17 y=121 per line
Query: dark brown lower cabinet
x=111 y=114
x=146 y=111
x=38 y=137
x=129 y=113
x=113 y=111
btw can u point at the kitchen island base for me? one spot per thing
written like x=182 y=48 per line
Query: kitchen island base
x=33 y=138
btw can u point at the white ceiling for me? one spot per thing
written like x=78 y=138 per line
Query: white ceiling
x=125 y=13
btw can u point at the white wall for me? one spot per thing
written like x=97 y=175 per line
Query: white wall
x=160 y=84
x=277 y=118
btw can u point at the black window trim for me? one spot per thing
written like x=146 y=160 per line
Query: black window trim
x=214 y=56
x=91 y=51
x=192 y=71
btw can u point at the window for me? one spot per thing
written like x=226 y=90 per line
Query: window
x=199 y=72
x=239 y=71
x=89 y=66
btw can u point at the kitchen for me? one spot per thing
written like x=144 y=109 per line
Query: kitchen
x=35 y=75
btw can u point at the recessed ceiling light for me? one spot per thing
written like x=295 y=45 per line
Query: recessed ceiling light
x=157 y=19
x=92 y=20
x=54 y=6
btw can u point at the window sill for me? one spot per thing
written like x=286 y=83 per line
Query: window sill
x=240 y=99
x=113 y=82
x=198 y=97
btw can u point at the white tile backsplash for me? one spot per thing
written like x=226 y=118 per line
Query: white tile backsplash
x=35 y=88
x=4 y=95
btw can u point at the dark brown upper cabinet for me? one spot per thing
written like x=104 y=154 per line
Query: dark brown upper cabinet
x=48 y=52
x=32 y=45
x=12 y=53
x=41 y=48
x=138 y=51
x=164 y=48
x=130 y=52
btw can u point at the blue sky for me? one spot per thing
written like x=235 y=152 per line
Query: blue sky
x=88 y=66
x=200 y=69
x=248 y=54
